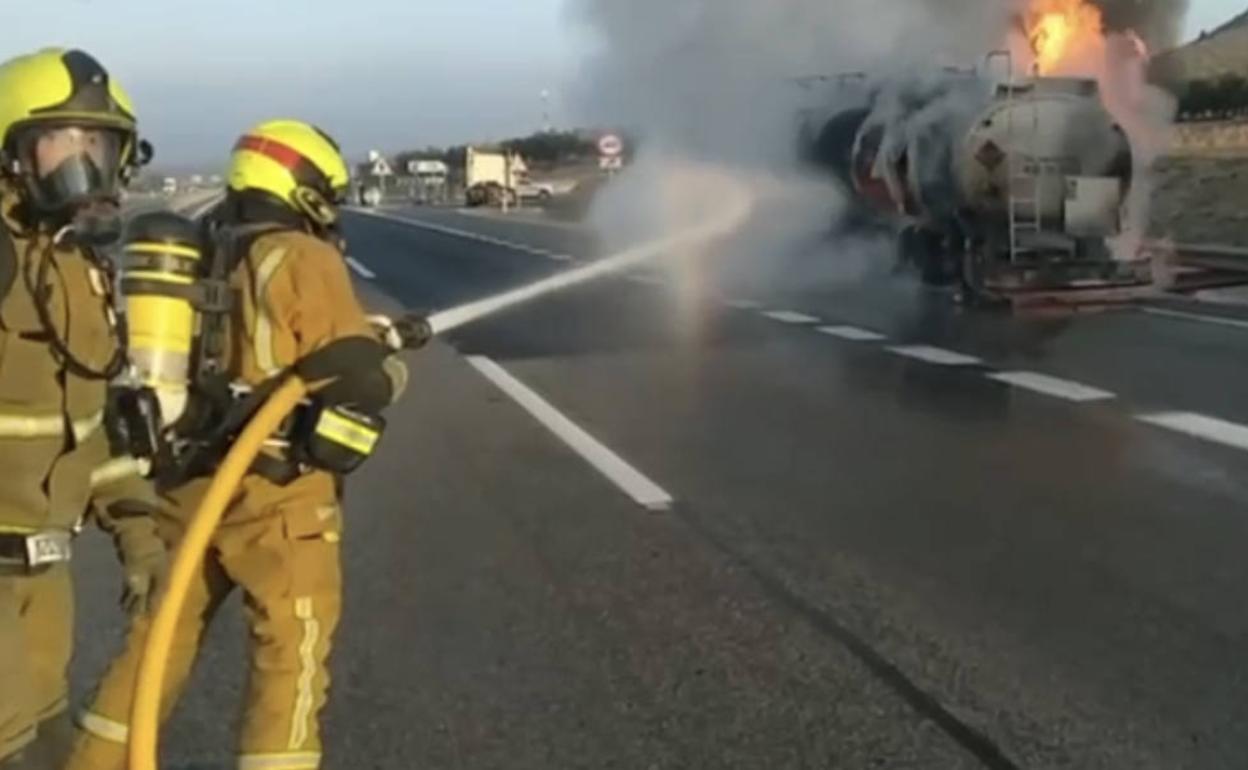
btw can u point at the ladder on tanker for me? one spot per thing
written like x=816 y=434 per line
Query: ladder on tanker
x=1025 y=175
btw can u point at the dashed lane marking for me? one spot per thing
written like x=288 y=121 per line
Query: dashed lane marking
x=1052 y=386
x=938 y=356
x=1201 y=426
x=360 y=268
x=630 y=480
x=790 y=317
x=851 y=333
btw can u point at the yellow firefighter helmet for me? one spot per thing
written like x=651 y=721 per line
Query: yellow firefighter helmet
x=67 y=130
x=294 y=162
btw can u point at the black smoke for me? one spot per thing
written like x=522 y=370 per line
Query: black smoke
x=1158 y=22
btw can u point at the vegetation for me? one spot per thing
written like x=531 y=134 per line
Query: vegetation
x=1220 y=98
x=545 y=149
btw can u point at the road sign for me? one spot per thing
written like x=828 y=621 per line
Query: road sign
x=610 y=163
x=610 y=146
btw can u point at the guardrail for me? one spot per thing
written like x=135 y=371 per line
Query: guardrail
x=1195 y=266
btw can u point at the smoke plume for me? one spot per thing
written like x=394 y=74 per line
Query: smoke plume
x=1158 y=22
x=719 y=81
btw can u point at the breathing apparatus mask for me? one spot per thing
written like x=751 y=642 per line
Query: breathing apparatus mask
x=74 y=175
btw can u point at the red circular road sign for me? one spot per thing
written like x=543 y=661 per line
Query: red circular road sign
x=610 y=145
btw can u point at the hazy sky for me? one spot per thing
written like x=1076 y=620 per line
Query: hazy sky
x=376 y=73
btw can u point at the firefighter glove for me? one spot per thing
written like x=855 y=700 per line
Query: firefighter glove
x=144 y=564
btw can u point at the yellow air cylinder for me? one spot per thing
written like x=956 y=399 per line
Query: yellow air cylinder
x=162 y=253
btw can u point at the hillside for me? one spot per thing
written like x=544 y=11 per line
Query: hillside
x=1223 y=51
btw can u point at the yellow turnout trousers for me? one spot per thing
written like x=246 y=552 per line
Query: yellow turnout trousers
x=285 y=557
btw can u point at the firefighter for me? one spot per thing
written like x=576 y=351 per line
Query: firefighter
x=68 y=143
x=279 y=541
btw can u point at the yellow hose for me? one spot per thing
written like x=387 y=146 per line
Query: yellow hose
x=145 y=711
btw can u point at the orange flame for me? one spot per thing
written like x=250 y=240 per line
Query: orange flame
x=1060 y=30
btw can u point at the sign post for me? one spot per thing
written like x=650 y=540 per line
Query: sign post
x=610 y=153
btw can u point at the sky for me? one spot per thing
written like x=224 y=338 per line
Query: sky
x=377 y=74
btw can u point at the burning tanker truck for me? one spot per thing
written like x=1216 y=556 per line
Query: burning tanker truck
x=1005 y=186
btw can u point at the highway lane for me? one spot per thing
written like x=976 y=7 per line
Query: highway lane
x=873 y=560
x=1074 y=526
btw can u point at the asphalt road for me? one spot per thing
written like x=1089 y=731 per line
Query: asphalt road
x=903 y=534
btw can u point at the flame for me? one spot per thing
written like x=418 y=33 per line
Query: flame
x=1060 y=31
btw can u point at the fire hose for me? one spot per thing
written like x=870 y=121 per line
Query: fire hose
x=145 y=709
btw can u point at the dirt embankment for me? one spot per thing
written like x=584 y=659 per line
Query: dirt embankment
x=1201 y=200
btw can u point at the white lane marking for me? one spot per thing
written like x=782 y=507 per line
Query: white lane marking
x=562 y=257
x=531 y=220
x=790 y=317
x=197 y=210
x=938 y=356
x=1199 y=426
x=1197 y=317
x=361 y=268
x=454 y=231
x=648 y=280
x=1052 y=386
x=742 y=304
x=633 y=483
x=852 y=333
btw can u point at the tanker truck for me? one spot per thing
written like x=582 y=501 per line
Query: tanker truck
x=1007 y=188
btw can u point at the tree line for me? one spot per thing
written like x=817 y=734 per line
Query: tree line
x=1220 y=98
x=544 y=149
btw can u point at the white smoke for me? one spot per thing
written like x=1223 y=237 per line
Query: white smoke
x=714 y=81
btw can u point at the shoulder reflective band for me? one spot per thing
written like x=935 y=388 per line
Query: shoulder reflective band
x=303 y=170
x=337 y=427
x=48 y=426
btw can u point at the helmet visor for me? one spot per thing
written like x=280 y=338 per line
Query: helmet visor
x=72 y=165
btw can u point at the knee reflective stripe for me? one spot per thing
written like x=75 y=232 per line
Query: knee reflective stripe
x=118 y=469
x=308 y=665
x=263 y=337
x=304 y=760
x=104 y=728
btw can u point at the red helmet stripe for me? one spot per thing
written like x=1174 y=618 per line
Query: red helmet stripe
x=283 y=154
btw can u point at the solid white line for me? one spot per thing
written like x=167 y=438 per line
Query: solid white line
x=743 y=304
x=1052 y=386
x=1202 y=427
x=852 y=333
x=648 y=280
x=1197 y=317
x=562 y=257
x=938 y=356
x=790 y=317
x=641 y=489
x=360 y=268
x=466 y=234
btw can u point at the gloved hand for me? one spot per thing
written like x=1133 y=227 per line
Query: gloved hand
x=409 y=332
x=144 y=564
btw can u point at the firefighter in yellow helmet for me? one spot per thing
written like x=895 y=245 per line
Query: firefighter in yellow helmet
x=67 y=145
x=279 y=540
